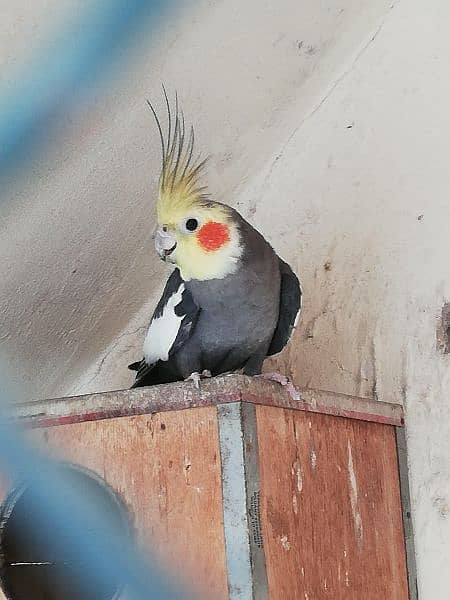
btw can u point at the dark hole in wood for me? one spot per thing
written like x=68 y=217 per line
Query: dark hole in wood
x=443 y=330
x=34 y=569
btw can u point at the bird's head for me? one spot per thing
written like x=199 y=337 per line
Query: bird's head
x=198 y=235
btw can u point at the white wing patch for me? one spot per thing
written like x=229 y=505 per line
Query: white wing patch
x=163 y=330
x=297 y=316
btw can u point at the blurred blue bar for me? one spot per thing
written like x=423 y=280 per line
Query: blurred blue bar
x=59 y=508
x=57 y=77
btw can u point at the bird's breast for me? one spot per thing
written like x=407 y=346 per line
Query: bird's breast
x=238 y=310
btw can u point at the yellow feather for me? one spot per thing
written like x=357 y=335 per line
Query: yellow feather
x=179 y=182
x=195 y=262
x=181 y=195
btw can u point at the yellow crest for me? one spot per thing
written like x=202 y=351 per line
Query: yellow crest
x=179 y=181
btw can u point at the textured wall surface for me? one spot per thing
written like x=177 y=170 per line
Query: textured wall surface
x=327 y=125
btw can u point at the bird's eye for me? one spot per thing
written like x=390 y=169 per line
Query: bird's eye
x=191 y=224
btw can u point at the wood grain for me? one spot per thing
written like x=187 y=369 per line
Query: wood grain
x=178 y=396
x=331 y=512
x=166 y=467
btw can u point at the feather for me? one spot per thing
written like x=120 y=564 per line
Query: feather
x=180 y=179
x=290 y=307
x=172 y=324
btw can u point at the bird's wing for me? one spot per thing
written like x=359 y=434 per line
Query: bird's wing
x=290 y=305
x=171 y=325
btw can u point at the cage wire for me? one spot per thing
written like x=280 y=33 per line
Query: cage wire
x=43 y=89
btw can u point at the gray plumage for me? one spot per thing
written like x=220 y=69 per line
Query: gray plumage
x=227 y=324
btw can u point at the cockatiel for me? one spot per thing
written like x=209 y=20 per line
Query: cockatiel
x=230 y=301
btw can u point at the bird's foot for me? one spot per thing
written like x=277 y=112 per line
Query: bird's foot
x=196 y=377
x=278 y=377
x=285 y=382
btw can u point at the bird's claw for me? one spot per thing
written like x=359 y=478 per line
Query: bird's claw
x=278 y=377
x=196 y=377
x=285 y=382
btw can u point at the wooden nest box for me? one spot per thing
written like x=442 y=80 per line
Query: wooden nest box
x=243 y=492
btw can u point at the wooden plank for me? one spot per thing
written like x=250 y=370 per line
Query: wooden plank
x=331 y=508
x=167 y=469
x=329 y=403
x=178 y=396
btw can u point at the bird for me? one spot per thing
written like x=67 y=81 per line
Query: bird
x=230 y=300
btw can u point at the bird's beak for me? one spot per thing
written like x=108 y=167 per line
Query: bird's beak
x=165 y=243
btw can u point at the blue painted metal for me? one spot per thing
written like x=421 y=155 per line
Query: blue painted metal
x=63 y=72
x=59 y=76
x=58 y=506
x=235 y=521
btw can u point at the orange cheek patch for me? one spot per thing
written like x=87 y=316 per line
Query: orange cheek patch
x=213 y=236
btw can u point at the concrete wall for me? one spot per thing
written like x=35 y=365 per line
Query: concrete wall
x=328 y=127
